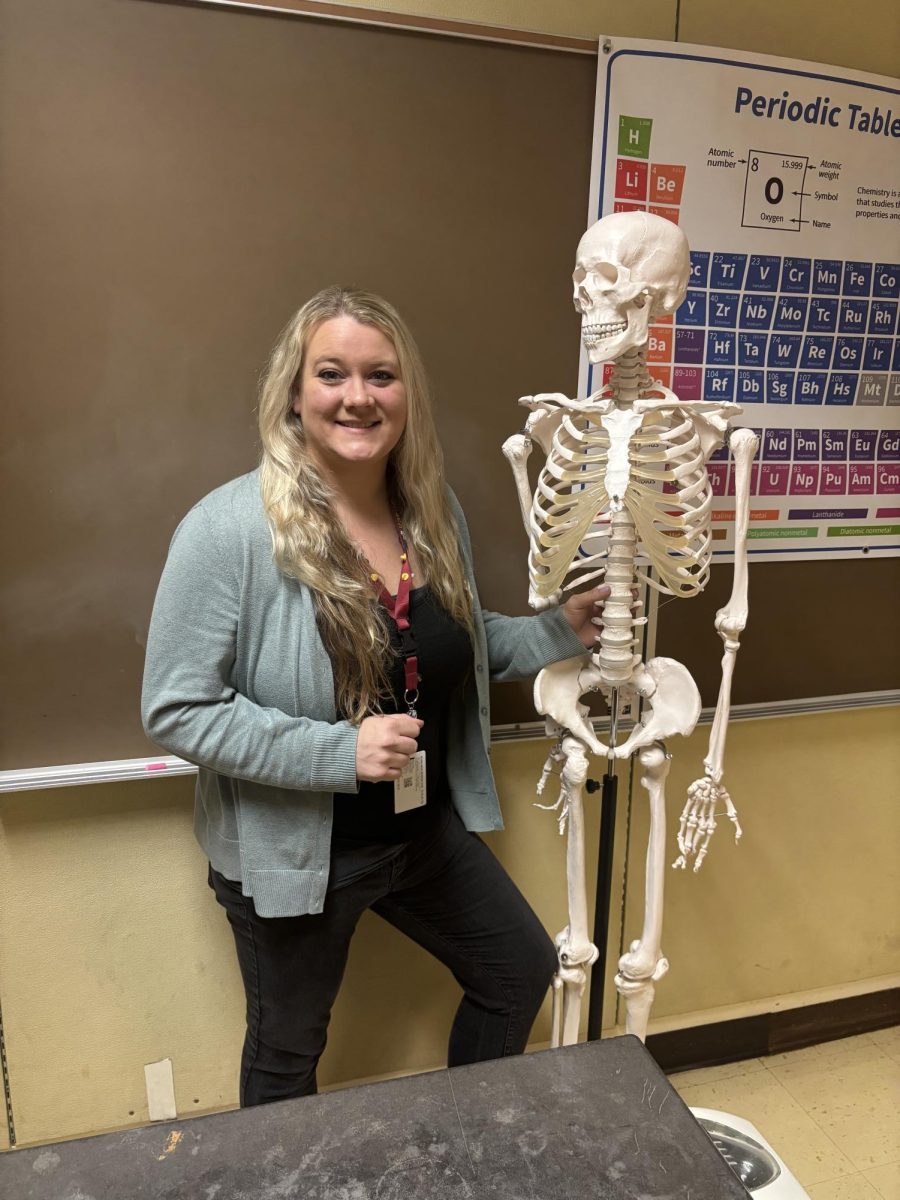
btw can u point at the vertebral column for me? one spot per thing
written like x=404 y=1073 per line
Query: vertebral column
x=615 y=653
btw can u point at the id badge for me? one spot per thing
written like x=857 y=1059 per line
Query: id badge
x=409 y=789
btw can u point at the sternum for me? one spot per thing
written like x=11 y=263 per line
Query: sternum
x=614 y=651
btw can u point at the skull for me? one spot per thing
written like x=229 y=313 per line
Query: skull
x=630 y=268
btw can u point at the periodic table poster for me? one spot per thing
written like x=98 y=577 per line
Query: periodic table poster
x=785 y=177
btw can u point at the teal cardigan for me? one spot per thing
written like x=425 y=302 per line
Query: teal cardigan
x=238 y=681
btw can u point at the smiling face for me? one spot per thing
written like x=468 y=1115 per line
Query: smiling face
x=351 y=400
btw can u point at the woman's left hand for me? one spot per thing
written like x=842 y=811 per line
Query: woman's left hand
x=579 y=609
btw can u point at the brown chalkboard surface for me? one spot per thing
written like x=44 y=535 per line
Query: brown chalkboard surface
x=176 y=181
x=792 y=648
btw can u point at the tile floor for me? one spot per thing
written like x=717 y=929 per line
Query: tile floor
x=831 y=1111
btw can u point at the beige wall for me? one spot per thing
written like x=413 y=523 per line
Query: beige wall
x=809 y=899
x=113 y=953
x=568 y=18
x=829 y=32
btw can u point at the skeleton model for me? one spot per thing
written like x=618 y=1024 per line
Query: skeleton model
x=625 y=482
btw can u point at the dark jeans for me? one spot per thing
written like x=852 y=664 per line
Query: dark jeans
x=448 y=893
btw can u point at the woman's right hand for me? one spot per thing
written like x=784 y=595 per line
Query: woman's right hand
x=385 y=745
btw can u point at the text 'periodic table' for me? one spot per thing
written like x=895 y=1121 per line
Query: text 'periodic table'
x=792 y=308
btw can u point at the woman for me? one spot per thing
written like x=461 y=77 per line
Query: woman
x=274 y=663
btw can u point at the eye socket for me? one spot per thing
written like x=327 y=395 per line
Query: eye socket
x=607 y=271
x=579 y=275
x=382 y=376
x=328 y=374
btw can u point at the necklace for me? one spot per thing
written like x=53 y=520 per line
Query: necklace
x=406 y=572
x=397 y=608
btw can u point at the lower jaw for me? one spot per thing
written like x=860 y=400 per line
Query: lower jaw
x=600 y=353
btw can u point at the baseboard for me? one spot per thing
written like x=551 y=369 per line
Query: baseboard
x=774 y=1032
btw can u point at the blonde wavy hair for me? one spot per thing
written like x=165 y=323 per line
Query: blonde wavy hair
x=308 y=539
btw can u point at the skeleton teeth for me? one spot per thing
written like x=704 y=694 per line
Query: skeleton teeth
x=601 y=332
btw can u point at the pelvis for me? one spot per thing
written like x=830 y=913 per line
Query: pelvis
x=670 y=696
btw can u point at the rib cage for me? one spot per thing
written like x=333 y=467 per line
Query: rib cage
x=668 y=495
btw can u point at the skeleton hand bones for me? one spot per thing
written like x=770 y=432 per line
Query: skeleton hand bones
x=698 y=821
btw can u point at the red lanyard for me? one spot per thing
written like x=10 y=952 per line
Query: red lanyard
x=397 y=608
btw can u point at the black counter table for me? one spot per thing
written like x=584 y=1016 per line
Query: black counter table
x=596 y=1120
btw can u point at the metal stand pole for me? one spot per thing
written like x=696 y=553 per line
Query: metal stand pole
x=604 y=876
x=602 y=905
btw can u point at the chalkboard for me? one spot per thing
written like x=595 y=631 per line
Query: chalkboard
x=177 y=181
x=803 y=638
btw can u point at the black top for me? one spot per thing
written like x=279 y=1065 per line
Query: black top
x=445 y=659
